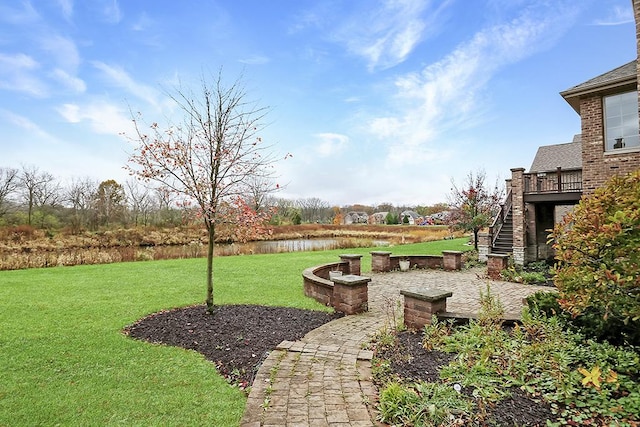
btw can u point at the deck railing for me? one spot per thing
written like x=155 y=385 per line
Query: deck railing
x=560 y=181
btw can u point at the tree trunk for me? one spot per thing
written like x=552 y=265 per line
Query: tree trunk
x=212 y=232
x=475 y=238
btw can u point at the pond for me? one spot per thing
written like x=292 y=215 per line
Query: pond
x=98 y=255
x=292 y=245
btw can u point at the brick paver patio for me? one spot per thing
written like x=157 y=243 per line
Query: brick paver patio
x=325 y=378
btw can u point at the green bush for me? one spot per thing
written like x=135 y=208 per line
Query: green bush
x=391 y=218
x=598 y=270
x=590 y=322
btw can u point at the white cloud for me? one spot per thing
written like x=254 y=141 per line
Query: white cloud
x=26 y=124
x=121 y=78
x=17 y=73
x=102 y=117
x=111 y=11
x=330 y=144
x=446 y=95
x=63 y=50
x=71 y=82
x=255 y=60
x=143 y=23
x=386 y=36
x=66 y=6
x=617 y=16
x=27 y=15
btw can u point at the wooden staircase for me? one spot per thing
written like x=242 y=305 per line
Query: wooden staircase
x=503 y=242
x=501 y=229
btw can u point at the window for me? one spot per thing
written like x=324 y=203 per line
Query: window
x=621 y=121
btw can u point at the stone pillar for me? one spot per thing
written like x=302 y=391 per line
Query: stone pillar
x=518 y=212
x=495 y=264
x=380 y=261
x=452 y=260
x=354 y=261
x=350 y=294
x=484 y=246
x=421 y=304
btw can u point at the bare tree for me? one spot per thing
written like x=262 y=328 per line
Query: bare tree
x=314 y=209
x=259 y=189
x=208 y=155
x=473 y=205
x=38 y=188
x=164 y=200
x=8 y=185
x=79 y=196
x=139 y=200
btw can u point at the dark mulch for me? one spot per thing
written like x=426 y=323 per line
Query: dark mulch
x=235 y=337
x=411 y=361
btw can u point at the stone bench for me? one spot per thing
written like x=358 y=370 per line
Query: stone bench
x=383 y=261
x=421 y=304
x=338 y=284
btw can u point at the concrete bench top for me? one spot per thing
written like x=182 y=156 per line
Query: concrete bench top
x=351 y=280
x=427 y=294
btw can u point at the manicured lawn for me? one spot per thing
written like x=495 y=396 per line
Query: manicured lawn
x=64 y=360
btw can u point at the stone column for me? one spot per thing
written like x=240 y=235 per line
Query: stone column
x=380 y=261
x=517 y=206
x=452 y=260
x=495 y=264
x=350 y=294
x=421 y=304
x=354 y=261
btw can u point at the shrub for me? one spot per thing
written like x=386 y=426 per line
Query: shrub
x=598 y=271
x=391 y=218
x=423 y=404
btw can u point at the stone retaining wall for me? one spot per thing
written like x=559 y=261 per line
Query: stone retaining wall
x=383 y=261
x=317 y=284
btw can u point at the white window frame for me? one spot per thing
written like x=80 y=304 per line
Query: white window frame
x=621 y=124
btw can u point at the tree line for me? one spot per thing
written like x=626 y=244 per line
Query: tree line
x=34 y=197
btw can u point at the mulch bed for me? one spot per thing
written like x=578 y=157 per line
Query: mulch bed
x=236 y=338
x=422 y=365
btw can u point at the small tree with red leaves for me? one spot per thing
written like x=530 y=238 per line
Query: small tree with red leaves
x=473 y=205
x=208 y=157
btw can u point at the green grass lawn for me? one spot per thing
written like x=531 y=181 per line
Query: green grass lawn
x=64 y=360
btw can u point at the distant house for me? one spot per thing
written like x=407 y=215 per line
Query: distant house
x=562 y=174
x=356 y=218
x=378 y=218
x=412 y=218
x=438 y=217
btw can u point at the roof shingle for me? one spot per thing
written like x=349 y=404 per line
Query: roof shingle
x=550 y=157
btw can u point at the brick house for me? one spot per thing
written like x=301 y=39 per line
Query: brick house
x=561 y=174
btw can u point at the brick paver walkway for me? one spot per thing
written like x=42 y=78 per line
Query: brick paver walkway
x=325 y=378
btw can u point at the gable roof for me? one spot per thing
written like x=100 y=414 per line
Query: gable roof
x=550 y=157
x=616 y=78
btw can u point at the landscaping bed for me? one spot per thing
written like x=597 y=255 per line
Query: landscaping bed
x=408 y=360
x=538 y=373
x=236 y=338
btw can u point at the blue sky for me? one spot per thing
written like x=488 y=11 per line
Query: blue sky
x=377 y=101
